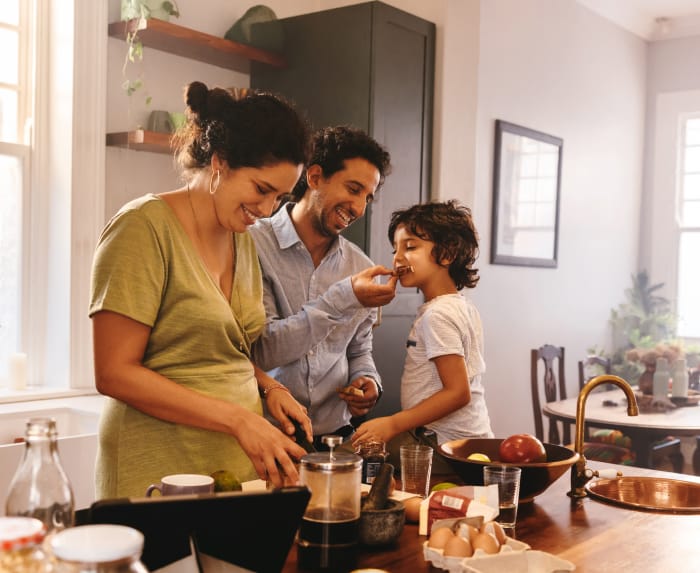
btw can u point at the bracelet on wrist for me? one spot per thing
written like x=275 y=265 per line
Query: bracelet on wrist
x=266 y=391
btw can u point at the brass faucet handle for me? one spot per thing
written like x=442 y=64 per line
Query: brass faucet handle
x=608 y=474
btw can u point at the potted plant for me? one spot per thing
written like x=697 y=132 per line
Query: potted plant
x=161 y=9
x=141 y=11
x=643 y=328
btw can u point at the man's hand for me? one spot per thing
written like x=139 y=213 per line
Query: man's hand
x=363 y=399
x=370 y=293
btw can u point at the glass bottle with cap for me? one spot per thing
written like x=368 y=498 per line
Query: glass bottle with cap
x=679 y=386
x=329 y=530
x=40 y=487
x=373 y=454
x=661 y=378
x=21 y=546
x=100 y=548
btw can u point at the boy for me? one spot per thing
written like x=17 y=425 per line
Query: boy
x=442 y=398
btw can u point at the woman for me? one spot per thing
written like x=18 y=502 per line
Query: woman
x=177 y=302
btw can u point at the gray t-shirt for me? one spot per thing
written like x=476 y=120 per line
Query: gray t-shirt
x=447 y=324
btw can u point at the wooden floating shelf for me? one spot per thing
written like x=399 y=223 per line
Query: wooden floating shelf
x=182 y=41
x=141 y=140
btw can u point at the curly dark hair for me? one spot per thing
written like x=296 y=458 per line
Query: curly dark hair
x=333 y=145
x=252 y=131
x=450 y=226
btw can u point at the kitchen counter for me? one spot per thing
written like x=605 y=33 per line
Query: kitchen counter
x=595 y=536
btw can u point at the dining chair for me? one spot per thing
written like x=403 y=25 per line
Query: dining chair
x=591 y=366
x=667 y=447
x=551 y=382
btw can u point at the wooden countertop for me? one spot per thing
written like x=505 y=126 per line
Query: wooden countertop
x=595 y=536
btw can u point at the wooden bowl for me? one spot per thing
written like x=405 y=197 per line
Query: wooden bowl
x=535 y=478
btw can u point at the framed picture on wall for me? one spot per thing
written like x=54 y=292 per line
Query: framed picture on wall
x=526 y=185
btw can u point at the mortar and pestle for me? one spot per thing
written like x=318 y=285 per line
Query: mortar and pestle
x=381 y=519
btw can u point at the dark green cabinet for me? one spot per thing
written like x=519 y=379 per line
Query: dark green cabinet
x=371 y=66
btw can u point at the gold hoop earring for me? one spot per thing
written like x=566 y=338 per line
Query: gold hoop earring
x=213 y=187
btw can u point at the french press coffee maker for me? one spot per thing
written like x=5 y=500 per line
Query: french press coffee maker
x=328 y=535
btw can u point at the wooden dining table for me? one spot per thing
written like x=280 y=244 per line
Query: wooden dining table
x=608 y=409
x=595 y=536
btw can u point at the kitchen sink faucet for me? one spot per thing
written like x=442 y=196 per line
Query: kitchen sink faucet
x=580 y=475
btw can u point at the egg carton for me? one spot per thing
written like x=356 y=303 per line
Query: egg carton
x=458 y=564
x=530 y=561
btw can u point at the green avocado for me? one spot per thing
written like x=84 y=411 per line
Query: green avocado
x=224 y=480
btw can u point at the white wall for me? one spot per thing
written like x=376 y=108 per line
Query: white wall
x=558 y=68
x=550 y=65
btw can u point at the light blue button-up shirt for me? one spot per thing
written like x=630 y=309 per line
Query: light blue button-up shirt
x=317 y=337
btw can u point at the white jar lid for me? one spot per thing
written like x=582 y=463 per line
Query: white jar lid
x=97 y=543
x=20 y=532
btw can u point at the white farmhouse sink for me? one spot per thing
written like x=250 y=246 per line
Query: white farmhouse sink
x=70 y=422
x=77 y=447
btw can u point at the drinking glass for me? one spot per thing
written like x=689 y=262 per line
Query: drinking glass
x=508 y=480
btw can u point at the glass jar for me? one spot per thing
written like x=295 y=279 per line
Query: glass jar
x=373 y=454
x=21 y=546
x=328 y=534
x=40 y=487
x=99 y=548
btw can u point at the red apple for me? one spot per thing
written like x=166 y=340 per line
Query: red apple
x=522 y=448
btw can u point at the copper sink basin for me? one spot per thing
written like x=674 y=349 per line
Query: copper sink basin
x=648 y=493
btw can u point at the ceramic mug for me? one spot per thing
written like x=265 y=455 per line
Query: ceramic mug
x=160 y=121
x=179 y=484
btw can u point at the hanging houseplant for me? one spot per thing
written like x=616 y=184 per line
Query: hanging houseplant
x=141 y=11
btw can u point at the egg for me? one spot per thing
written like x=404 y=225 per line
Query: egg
x=495 y=529
x=412 y=511
x=439 y=537
x=486 y=542
x=458 y=547
x=471 y=532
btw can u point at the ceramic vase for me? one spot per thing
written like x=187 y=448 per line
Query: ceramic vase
x=646 y=380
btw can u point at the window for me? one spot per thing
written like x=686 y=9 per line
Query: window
x=52 y=126
x=688 y=218
x=16 y=107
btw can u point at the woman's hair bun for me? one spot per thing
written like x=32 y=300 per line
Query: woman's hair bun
x=196 y=97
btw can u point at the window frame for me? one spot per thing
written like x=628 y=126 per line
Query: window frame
x=65 y=202
x=663 y=223
x=682 y=228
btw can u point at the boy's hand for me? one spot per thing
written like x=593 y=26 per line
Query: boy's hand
x=379 y=429
x=370 y=293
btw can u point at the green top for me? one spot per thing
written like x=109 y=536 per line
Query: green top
x=147 y=268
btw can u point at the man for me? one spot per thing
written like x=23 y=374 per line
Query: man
x=320 y=290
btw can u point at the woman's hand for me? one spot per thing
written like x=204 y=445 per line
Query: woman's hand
x=283 y=406
x=271 y=452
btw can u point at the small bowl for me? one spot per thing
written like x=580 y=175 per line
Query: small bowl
x=382 y=526
x=535 y=478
